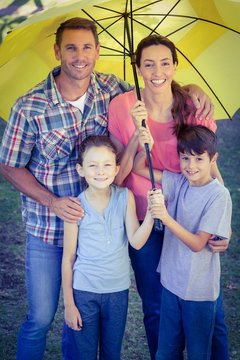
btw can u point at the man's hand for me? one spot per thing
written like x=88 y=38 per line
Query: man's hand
x=201 y=100
x=67 y=208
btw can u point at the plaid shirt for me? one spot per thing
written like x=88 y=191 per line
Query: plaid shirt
x=43 y=134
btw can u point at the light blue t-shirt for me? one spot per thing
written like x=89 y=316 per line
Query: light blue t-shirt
x=193 y=275
x=102 y=263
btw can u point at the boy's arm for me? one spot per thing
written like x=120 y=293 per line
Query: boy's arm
x=140 y=167
x=71 y=313
x=196 y=242
x=137 y=235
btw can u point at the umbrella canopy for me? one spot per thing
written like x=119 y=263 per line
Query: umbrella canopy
x=206 y=34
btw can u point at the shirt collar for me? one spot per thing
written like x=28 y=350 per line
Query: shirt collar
x=54 y=95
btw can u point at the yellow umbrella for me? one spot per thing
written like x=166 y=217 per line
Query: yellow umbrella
x=205 y=32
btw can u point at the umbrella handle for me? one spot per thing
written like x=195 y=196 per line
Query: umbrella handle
x=158 y=225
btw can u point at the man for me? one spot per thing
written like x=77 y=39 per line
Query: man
x=38 y=155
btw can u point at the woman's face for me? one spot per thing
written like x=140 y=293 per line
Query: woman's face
x=157 y=68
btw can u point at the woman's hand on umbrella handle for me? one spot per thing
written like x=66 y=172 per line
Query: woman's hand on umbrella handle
x=145 y=137
x=139 y=113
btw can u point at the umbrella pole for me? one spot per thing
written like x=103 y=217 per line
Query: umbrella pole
x=158 y=226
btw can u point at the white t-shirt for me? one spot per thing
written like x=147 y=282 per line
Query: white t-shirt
x=79 y=103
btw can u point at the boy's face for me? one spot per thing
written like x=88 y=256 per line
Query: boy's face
x=197 y=168
x=99 y=167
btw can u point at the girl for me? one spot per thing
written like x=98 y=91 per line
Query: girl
x=95 y=267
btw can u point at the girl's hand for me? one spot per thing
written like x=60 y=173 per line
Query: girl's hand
x=73 y=318
x=145 y=137
x=139 y=113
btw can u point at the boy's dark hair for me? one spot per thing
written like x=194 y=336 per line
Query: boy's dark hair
x=196 y=139
x=76 y=23
x=182 y=104
x=96 y=141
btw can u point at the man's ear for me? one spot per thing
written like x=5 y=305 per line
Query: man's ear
x=79 y=170
x=57 y=52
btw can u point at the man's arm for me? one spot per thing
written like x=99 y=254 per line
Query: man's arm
x=201 y=101
x=67 y=208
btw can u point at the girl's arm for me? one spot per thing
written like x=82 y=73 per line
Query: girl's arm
x=137 y=235
x=196 y=242
x=71 y=313
x=126 y=156
x=140 y=167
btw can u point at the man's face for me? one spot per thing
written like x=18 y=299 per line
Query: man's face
x=78 y=53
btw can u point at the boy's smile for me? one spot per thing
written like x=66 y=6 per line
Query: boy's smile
x=196 y=168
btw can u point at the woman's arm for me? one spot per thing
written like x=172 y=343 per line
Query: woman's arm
x=71 y=314
x=140 y=167
x=126 y=156
x=216 y=173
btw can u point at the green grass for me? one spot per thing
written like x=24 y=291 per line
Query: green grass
x=12 y=290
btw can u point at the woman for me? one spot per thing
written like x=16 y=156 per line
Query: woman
x=165 y=107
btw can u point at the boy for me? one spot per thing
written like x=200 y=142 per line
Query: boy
x=198 y=208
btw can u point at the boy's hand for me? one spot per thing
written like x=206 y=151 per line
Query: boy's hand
x=145 y=137
x=139 y=113
x=156 y=205
x=73 y=318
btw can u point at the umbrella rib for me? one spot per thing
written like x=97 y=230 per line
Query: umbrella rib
x=149 y=4
x=110 y=10
x=187 y=17
x=165 y=16
x=105 y=29
x=205 y=81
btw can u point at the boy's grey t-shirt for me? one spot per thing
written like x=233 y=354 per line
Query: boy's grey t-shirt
x=193 y=275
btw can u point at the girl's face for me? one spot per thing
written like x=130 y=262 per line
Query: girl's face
x=157 y=68
x=99 y=167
